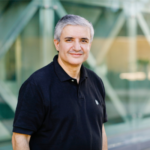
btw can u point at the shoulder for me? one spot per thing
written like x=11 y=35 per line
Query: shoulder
x=41 y=76
x=93 y=77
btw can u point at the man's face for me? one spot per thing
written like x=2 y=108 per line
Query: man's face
x=74 y=45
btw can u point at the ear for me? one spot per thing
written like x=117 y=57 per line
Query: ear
x=56 y=43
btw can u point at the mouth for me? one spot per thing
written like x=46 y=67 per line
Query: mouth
x=75 y=55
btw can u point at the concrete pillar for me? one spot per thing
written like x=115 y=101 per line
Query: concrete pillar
x=132 y=33
x=132 y=29
x=46 y=31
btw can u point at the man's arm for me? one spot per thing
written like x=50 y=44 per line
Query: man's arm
x=104 y=146
x=20 y=141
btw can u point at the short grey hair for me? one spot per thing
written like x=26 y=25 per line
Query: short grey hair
x=72 y=20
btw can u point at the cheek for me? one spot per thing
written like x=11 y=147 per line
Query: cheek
x=86 y=48
x=65 y=47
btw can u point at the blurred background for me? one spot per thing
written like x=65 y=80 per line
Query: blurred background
x=120 y=55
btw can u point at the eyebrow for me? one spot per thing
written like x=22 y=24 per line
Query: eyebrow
x=69 y=38
x=73 y=38
x=85 y=39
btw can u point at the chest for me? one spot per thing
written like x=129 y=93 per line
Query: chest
x=72 y=101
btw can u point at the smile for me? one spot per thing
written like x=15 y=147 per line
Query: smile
x=76 y=55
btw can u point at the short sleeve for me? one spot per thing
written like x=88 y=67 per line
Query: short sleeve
x=30 y=109
x=104 y=105
x=104 y=114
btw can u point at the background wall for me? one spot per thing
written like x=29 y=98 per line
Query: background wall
x=120 y=55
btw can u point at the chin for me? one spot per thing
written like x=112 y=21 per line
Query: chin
x=76 y=63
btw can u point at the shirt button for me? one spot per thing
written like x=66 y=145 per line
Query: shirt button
x=72 y=80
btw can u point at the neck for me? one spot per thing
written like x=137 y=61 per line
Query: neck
x=72 y=70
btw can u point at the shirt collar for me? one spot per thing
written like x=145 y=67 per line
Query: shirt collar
x=63 y=76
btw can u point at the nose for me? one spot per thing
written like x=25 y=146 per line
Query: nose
x=77 y=46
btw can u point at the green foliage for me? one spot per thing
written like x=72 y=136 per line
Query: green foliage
x=143 y=62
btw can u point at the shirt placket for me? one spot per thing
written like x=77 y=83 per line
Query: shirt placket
x=80 y=94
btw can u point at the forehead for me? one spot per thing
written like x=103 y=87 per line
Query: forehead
x=75 y=31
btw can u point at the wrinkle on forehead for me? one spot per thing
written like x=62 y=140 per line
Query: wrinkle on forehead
x=76 y=31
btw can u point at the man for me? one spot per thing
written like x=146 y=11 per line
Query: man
x=61 y=106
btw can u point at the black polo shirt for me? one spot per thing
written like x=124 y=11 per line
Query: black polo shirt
x=59 y=113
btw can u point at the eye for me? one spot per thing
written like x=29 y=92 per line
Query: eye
x=69 y=40
x=84 y=41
